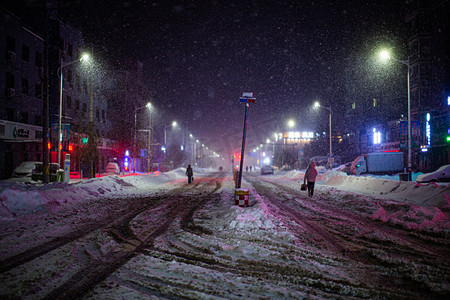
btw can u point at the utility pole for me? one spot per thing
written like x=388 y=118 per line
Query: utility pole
x=45 y=106
x=92 y=143
x=151 y=140
x=246 y=98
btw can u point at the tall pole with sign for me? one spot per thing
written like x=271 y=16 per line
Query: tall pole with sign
x=246 y=98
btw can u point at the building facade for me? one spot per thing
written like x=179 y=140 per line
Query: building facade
x=429 y=55
x=21 y=74
x=21 y=106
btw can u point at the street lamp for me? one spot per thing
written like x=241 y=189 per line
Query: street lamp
x=148 y=105
x=85 y=57
x=174 y=124
x=385 y=56
x=317 y=105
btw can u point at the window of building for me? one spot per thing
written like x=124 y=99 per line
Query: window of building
x=37 y=120
x=97 y=114
x=38 y=90
x=25 y=53
x=69 y=102
x=84 y=107
x=61 y=43
x=25 y=89
x=374 y=102
x=9 y=80
x=77 y=104
x=9 y=114
x=85 y=86
x=77 y=81
x=70 y=77
x=10 y=44
x=70 y=49
x=24 y=117
x=38 y=59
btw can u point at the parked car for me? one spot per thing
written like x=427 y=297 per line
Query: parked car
x=24 y=169
x=112 y=168
x=266 y=170
x=440 y=175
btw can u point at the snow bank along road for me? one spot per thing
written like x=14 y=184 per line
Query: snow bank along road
x=189 y=241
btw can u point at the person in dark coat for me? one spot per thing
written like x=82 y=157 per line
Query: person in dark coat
x=189 y=173
x=310 y=176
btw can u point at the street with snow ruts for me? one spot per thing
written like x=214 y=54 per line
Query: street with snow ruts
x=154 y=235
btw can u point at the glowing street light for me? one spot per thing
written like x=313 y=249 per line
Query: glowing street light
x=85 y=57
x=148 y=105
x=291 y=123
x=174 y=124
x=316 y=106
x=386 y=56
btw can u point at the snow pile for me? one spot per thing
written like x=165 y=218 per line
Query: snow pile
x=412 y=204
x=19 y=198
x=428 y=195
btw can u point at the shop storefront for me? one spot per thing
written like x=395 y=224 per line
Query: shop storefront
x=18 y=143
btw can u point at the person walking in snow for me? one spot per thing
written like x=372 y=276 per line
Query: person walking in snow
x=246 y=169
x=250 y=168
x=189 y=173
x=310 y=176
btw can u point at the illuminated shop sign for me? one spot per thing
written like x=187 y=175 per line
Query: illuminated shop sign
x=376 y=137
x=428 y=130
x=298 y=135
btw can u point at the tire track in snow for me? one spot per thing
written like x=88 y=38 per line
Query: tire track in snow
x=410 y=243
x=129 y=245
x=110 y=220
x=399 y=247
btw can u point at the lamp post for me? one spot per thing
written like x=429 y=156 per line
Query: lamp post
x=385 y=55
x=60 y=72
x=174 y=124
x=317 y=105
x=148 y=105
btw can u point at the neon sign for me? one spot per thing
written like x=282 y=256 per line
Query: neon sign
x=428 y=130
x=376 y=137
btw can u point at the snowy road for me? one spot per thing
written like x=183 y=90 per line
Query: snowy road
x=176 y=240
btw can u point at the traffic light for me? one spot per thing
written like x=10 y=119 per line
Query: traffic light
x=126 y=161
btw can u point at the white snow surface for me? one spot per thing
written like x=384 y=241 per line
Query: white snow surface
x=407 y=204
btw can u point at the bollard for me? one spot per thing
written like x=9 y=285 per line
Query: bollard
x=241 y=197
x=67 y=168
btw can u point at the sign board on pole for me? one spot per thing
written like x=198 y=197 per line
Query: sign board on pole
x=403 y=134
x=247 y=100
x=415 y=134
x=65 y=135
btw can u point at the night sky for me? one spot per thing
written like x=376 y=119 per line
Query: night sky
x=200 y=56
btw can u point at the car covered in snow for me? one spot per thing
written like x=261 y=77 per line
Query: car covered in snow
x=266 y=170
x=112 y=168
x=24 y=169
x=440 y=175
